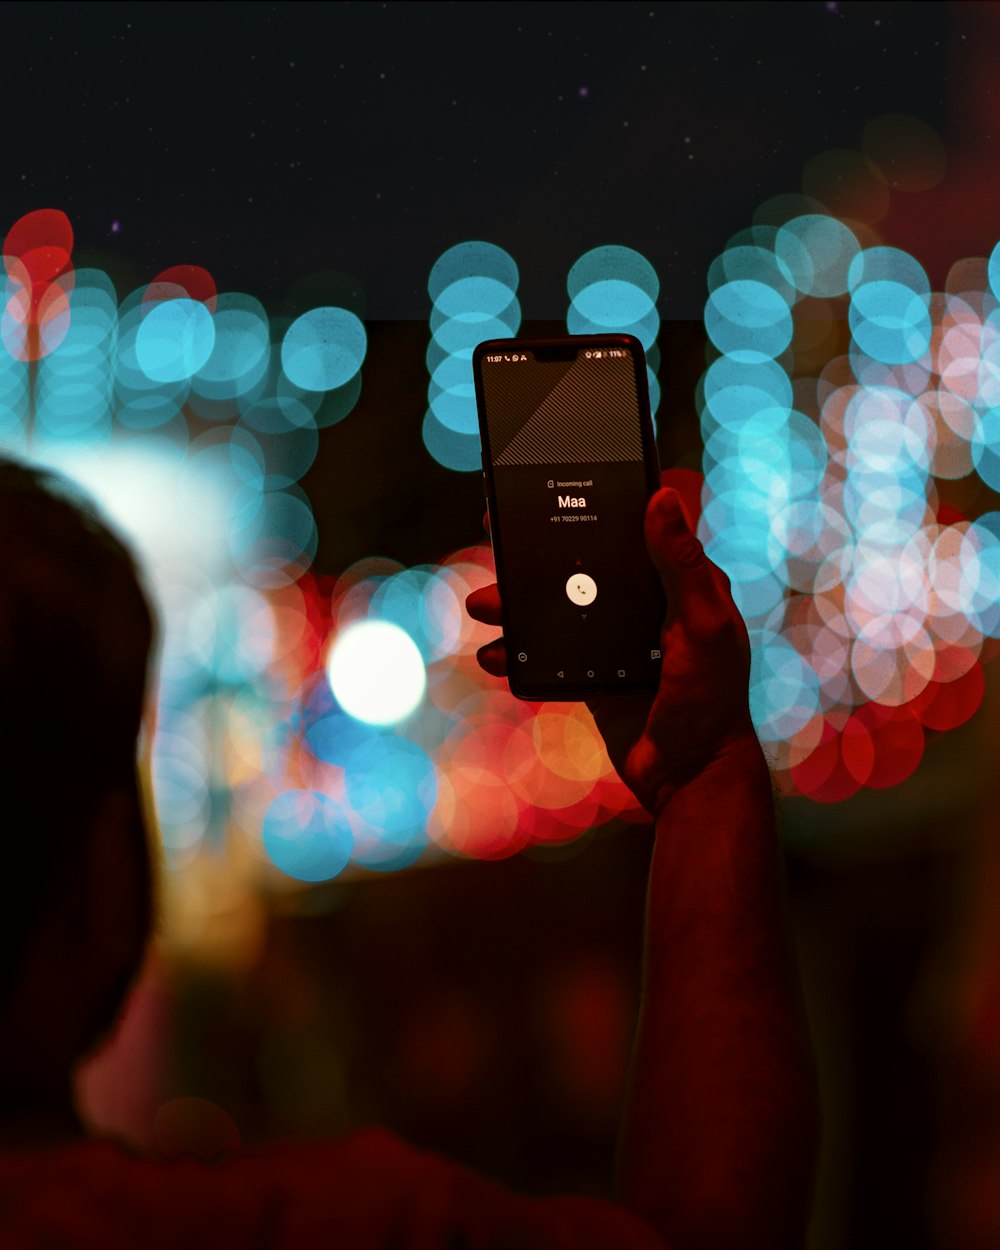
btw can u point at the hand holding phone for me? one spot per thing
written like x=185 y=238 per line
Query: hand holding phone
x=699 y=710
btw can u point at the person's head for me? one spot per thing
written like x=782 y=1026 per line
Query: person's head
x=75 y=890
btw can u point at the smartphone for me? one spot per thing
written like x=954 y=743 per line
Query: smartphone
x=569 y=462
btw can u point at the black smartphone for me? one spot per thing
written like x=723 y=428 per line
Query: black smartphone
x=569 y=461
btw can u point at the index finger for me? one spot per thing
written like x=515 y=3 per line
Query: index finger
x=484 y=604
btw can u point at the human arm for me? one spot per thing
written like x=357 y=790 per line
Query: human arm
x=719 y=1130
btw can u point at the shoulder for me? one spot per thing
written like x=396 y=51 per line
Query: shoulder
x=97 y=1193
x=504 y=1220
x=369 y=1190
x=422 y=1201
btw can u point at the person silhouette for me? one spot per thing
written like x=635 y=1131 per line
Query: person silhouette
x=76 y=886
x=720 y=1125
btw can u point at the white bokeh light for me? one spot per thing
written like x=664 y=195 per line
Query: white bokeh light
x=376 y=672
x=137 y=486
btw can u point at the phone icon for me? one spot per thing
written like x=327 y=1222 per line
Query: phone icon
x=581 y=589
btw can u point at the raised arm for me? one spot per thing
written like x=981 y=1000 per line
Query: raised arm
x=719 y=1132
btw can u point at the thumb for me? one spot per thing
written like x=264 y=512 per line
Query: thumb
x=688 y=576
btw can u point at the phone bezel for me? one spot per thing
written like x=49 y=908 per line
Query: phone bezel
x=540 y=692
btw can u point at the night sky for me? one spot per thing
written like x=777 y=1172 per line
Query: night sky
x=271 y=142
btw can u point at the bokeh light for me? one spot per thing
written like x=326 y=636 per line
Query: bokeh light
x=174 y=340
x=309 y=724
x=173 y=407
x=613 y=290
x=37 y=252
x=473 y=287
x=377 y=672
x=323 y=349
x=867 y=607
x=307 y=836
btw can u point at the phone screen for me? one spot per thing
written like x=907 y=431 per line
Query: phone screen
x=570 y=463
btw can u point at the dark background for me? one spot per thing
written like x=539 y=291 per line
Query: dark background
x=270 y=142
x=306 y=152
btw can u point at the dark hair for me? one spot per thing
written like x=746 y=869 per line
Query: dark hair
x=76 y=633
